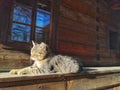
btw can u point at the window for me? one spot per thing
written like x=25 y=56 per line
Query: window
x=113 y=40
x=42 y=25
x=21 y=24
x=30 y=21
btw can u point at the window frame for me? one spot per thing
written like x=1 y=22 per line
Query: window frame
x=26 y=45
x=16 y=22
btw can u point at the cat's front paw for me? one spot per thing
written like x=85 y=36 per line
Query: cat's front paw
x=17 y=71
x=14 y=71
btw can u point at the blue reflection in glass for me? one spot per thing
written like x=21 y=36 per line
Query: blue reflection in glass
x=39 y=34
x=42 y=19
x=22 y=15
x=20 y=32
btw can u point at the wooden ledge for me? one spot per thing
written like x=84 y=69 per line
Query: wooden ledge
x=8 y=80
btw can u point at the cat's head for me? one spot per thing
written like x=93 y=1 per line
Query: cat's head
x=38 y=51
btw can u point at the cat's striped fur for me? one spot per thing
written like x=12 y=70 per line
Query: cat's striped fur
x=45 y=63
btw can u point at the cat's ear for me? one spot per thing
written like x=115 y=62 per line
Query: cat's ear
x=33 y=43
x=44 y=46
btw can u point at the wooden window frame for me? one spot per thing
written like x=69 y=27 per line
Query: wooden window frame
x=23 y=46
x=26 y=45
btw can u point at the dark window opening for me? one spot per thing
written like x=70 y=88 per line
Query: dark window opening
x=98 y=57
x=97 y=46
x=97 y=19
x=113 y=40
x=97 y=9
x=97 y=28
x=97 y=1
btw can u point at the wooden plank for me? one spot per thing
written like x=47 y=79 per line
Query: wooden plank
x=75 y=49
x=81 y=6
x=94 y=83
x=92 y=78
x=67 y=34
x=82 y=22
x=78 y=27
x=43 y=86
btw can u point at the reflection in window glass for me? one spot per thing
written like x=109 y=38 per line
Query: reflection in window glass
x=42 y=25
x=20 y=32
x=21 y=23
x=21 y=20
x=22 y=15
x=42 y=19
x=39 y=34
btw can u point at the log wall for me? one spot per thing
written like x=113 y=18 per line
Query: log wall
x=79 y=27
x=83 y=30
x=9 y=56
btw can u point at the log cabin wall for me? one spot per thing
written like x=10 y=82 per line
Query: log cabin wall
x=15 y=53
x=9 y=57
x=83 y=30
x=4 y=18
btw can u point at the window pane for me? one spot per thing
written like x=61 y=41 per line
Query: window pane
x=42 y=19
x=39 y=35
x=22 y=15
x=42 y=34
x=20 y=32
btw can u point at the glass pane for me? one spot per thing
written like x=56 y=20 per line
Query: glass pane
x=38 y=35
x=42 y=19
x=22 y=15
x=20 y=32
x=42 y=34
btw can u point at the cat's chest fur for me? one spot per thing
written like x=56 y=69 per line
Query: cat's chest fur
x=41 y=63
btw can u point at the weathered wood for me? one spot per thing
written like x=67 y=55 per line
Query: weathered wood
x=55 y=12
x=107 y=82
x=81 y=6
x=92 y=78
x=74 y=48
x=79 y=27
x=83 y=22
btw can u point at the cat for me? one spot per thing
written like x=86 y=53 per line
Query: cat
x=46 y=63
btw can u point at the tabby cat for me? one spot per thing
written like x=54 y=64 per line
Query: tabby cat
x=46 y=63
